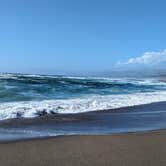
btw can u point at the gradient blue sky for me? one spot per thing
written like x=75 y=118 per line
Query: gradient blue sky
x=53 y=36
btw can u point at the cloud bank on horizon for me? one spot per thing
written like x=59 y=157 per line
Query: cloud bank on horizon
x=148 y=59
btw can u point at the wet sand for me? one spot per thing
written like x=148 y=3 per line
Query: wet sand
x=132 y=149
x=130 y=119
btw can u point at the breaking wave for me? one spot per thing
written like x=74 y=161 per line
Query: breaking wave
x=29 y=109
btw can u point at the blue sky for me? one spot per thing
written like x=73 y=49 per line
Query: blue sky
x=57 y=36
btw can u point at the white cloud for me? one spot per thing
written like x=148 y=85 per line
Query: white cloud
x=148 y=58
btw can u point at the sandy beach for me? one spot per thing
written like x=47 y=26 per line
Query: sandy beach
x=138 y=149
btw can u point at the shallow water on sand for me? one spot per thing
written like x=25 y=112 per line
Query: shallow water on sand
x=131 y=119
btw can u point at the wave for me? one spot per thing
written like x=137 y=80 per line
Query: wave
x=29 y=109
x=18 y=87
x=145 y=81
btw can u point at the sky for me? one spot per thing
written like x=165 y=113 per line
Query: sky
x=67 y=36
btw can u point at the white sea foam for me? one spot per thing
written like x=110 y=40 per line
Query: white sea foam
x=89 y=103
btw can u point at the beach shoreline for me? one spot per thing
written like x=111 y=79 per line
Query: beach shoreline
x=144 y=148
x=124 y=120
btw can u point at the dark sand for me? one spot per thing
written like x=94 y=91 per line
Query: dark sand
x=137 y=149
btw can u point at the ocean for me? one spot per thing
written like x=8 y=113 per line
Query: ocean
x=27 y=97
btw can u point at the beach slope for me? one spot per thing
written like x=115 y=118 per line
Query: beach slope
x=138 y=149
